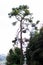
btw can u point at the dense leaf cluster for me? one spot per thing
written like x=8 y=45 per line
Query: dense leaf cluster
x=17 y=11
x=14 y=57
x=34 y=52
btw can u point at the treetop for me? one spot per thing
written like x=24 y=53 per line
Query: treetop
x=21 y=10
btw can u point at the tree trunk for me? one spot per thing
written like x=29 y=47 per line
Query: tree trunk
x=21 y=41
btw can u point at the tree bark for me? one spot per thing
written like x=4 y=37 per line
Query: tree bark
x=21 y=41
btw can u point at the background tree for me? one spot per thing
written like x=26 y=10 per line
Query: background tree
x=23 y=15
x=34 y=52
x=13 y=58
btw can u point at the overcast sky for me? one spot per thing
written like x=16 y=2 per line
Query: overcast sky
x=7 y=31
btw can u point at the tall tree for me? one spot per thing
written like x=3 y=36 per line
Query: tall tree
x=23 y=15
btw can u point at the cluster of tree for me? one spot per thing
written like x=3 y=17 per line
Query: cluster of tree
x=24 y=17
x=13 y=57
x=34 y=48
x=34 y=52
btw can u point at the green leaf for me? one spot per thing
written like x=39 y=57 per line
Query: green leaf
x=26 y=12
x=22 y=7
x=37 y=22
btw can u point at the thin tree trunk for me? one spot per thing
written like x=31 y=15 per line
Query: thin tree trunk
x=21 y=41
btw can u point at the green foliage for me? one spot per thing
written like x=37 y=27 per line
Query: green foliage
x=16 y=11
x=23 y=7
x=34 y=50
x=18 y=51
x=13 y=58
x=26 y=12
x=37 y=21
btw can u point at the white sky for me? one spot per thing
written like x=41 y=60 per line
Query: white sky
x=7 y=31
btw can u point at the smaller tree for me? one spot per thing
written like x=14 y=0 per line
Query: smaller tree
x=34 y=50
x=14 y=57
